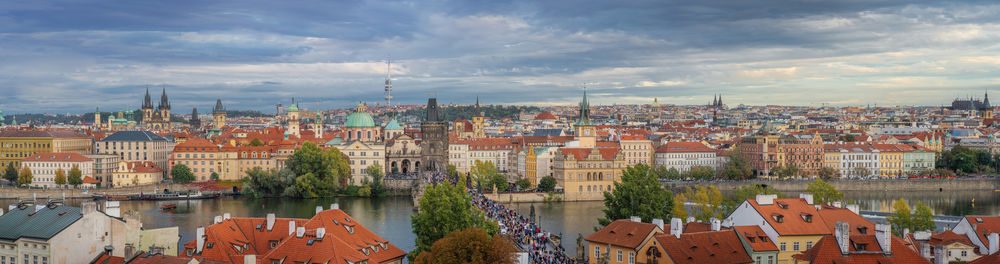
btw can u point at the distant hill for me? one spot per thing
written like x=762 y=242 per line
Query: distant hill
x=467 y=112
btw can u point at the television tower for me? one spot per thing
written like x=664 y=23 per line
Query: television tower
x=388 y=81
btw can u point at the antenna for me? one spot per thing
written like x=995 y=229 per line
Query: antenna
x=388 y=81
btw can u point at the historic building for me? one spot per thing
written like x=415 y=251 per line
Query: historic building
x=194 y=122
x=684 y=155
x=44 y=166
x=159 y=119
x=973 y=106
x=585 y=169
x=293 y=120
x=402 y=155
x=434 y=139
x=360 y=126
x=137 y=146
x=219 y=115
x=364 y=145
x=637 y=150
x=134 y=173
x=16 y=145
x=766 y=151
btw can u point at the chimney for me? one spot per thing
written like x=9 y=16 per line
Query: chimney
x=807 y=196
x=854 y=208
x=837 y=204
x=635 y=219
x=716 y=224
x=300 y=231
x=658 y=222
x=994 y=240
x=249 y=259
x=291 y=227
x=270 y=222
x=728 y=222
x=113 y=209
x=218 y=219
x=1 y=212
x=884 y=237
x=200 y=238
x=906 y=232
x=319 y=209
x=335 y=206
x=690 y=219
x=320 y=233
x=226 y=216
x=842 y=234
x=766 y=199
x=676 y=227
x=88 y=207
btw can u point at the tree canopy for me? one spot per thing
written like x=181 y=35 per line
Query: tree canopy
x=60 y=177
x=823 y=192
x=376 y=186
x=547 y=184
x=639 y=193
x=470 y=245
x=75 y=176
x=903 y=217
x=25 y=176
x=709 y=202
x=329 y=168
x=182 y=174
x=445 y=208
x=10 y=173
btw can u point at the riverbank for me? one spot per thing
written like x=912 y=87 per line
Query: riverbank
x=20 y=193
x=933 y=185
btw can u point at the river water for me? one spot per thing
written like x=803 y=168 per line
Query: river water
x=389 y=217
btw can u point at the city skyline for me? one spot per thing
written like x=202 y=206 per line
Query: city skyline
x=72 y=57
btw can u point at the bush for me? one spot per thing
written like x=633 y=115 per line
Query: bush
x=547 y=184
x=523 y=184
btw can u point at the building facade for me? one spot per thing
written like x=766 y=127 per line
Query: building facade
x=15 y=145
x=44 y=166
x=684 y=155
x=142 y=146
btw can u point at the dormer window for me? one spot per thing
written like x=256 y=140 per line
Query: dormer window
x=863 y=230
x=807 y=217
x=778 y=218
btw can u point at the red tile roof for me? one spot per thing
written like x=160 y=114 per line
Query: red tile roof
x=831 y=215
x=88 y=179
x=672 y=147
x=160 y=259
x=827 y=251
x=143 y=167
x=947 y=238
x=196 y=145
x=623 y=233
x=793 y=222
x=755 y=236
x=545 y=116
x=990 y=224
x=704 y=247
x=56 y=157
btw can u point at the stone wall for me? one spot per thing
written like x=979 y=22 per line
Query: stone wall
x=16 y=193
x=858 y=185
x=400 y=187
x=521 y=197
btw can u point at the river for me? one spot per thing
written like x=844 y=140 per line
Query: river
x=389 y=217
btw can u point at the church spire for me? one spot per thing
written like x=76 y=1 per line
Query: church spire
x=164 y=103
x=147 y=103
x=584 y=111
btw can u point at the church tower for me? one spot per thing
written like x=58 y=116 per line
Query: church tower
x=97 y=118
x=987 y=108
x=434 y=139
x=147 y=108
x=293 y=119
x=219 y=115
x=586 y=133
x=318 y=124
x=478 y=131
x=195 y=122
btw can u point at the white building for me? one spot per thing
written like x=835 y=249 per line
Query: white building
x=44 y=166
x=684 y=155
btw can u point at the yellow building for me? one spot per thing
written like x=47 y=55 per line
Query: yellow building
x=531 y=167
x=585 y=169
x=890 y=160
x=136 y=173
x=793 y=224
x=16 y=145
x=229 y=162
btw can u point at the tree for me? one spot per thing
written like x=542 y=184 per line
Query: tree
x=10 y=174
x=862 y=172
x=823 y=192
x=24 y=177
x=484 y=173
x=737 y=168
x=470 y=245
x=499 y=181
x=923 y=218
x=827 y=173
x=377 y=187
x=256 y=142
x=182 y=174
x=900 y=217
x=269 y=183
x=60 y=177
x=547 y=184
x=523 y=184
x=329 y=167
x=709 y=202
x=214 y=176
x=749 y=191
x=638 y=194
x=788 y=171
x=701 y=172
x=679 y=210
x=443 y=209
x=75 y=176
x=452 y=171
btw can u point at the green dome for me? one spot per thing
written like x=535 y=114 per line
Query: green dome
x=393 y=125
x=335 y=141
x=359 y=119
x=293 y=108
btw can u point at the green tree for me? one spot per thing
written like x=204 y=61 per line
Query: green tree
x=827 y=173
x=679 y=210
x=499 y=181
x=470 y=245
x=701 y=172
x=329 y=167
x=709 y=202
x=522 y=184
x=452 y=171
x=737 y=168
x=749 y=191
x=10 y=174
x=823 y=192
x=60 y=177
x=25 y=177
x=900 y=217
x=182 y=174
x=787 y=171
x=547 y=184
x=75 y=177
x=484 y=173
x=256 y=142
x=443 y=209
x=674 y=174
x=269 y=183
x=310 y=186
x=923 y=218
x=638 y=194
x=214 y=176
x=377 y=186
x=862 y=172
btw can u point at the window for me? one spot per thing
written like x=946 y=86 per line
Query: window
x=619 y=256
x=783 y=246
x=795 y=246
x=809 y=245
x=770 y=259
x=964 y=253
x=597 y=252
x=631 y=257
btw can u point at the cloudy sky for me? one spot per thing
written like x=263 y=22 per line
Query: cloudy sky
x=76 y=55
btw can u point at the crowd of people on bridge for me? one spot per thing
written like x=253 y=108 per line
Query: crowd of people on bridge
x=522 y=231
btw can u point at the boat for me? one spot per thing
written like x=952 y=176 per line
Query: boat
x=168 y=206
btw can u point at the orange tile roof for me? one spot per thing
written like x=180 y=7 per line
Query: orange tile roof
x=57 y=157
x=624 y=233
x=143 y=167
x=947 y=238
x=88 y=179
x=755 y=236
x=545 y=116
x=196 y=145
x=990 y=224
x=161 y=259
x=831 y=215
x=672 y=147
x=827 y=251
x=792 y=217
x=704 y=247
